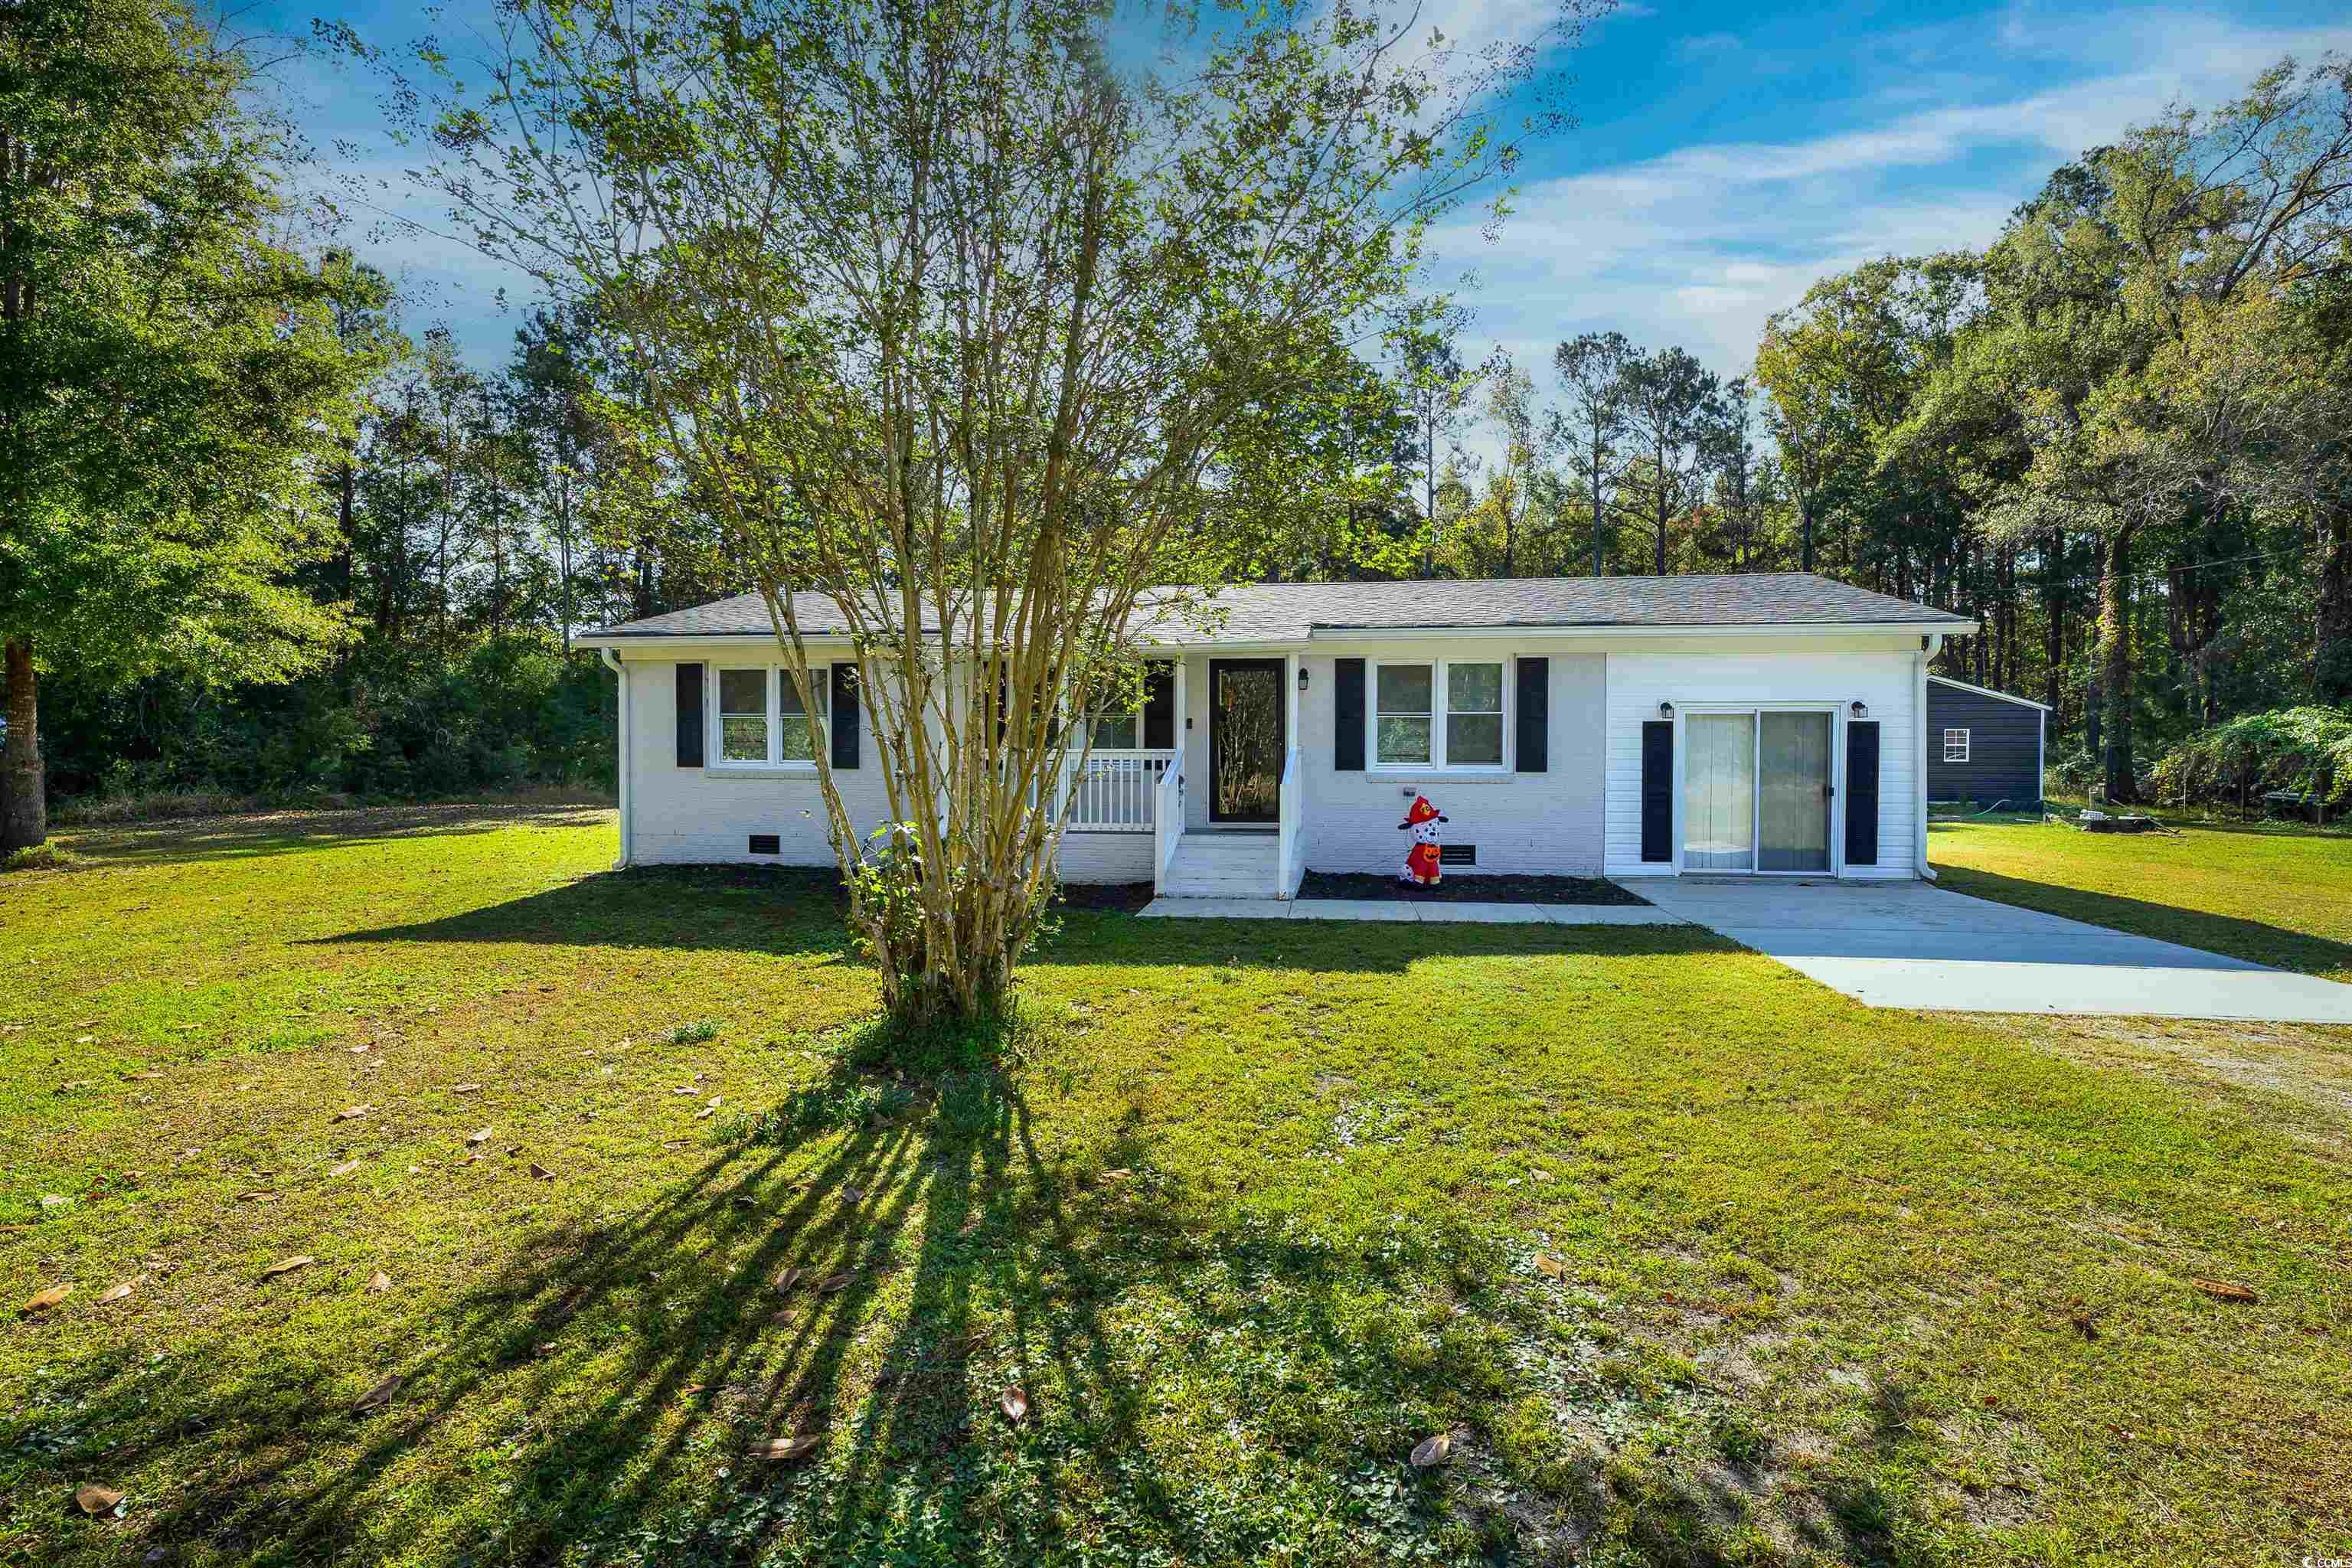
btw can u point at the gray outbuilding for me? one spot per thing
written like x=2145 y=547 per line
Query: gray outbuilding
x=1983 y=745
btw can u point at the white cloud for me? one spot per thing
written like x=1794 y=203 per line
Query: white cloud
x=1699 y=245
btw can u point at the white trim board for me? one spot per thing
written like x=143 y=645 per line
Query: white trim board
x=1989 y=691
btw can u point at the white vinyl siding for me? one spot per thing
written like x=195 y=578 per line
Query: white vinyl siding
x=1765 y=672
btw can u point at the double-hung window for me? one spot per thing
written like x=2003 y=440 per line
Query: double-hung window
x=761 y=721
x=1956 y=745
x=1444 y=713
x=1116 y=732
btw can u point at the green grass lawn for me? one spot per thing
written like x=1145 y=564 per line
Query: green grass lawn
x=2277 y=894
x=1694 y=1260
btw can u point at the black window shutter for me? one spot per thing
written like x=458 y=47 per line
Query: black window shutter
x=689 y=715
x=1347 y=715
x=1658 y=789
x=1160 y=707
x=1862 y=794
x=844 y=715
x=1535 y=715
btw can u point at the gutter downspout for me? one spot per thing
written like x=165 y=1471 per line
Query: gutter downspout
x=1930 y=645
x=621 y=766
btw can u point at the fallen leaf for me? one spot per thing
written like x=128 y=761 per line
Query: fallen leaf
x=94 y=1500
x=287 y=1265
x=144 y=1077
x=1432 y=1450
x=789 y=1279
x=1550 y=1266
x=48 y=1298
x=85 y=1039
x=787 y=1449
x=541 y=1172
x=345 y=1168
x=1119 y=1176
x=379 y=1282
x=258 y=1195
x=117 y=1292
x=714 y=1102
x=380 y=1397
x=676 y=1143
x=467 y=1088
x=360 y=1050
x=855 y=1194
x=53 y=1201
x=416 y=1169
x=477 y=1138
x=706 y=1110
x=691 y=1389
x=1014 y=1404
x=686 y=1091
x=838 y=1283
x=2224 y=1289
x=352 y=1112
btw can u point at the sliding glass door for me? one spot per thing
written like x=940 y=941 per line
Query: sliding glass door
x=1719 y=791
x=1792 y=774
x=1756 y=790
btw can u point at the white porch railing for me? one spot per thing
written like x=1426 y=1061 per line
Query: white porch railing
x=1114 y=791
x=1166 y=818
x=1289 y=840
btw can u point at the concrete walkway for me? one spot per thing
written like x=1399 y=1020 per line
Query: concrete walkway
x=1914 y=945
x=1432 y=911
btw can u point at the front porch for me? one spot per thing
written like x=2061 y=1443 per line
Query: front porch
x=1217 y=782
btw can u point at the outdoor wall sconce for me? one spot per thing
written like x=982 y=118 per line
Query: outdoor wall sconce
x=1666 y=710
x=1302 y=677
x=1859 y=710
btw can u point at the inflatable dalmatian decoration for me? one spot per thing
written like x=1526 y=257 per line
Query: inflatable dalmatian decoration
x=1420 y=860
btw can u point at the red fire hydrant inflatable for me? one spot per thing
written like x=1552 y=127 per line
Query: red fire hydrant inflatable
x=1420 y=860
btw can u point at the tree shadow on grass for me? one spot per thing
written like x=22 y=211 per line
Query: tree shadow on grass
x=597 y=1396
x=2250 y=940
x=754 y=909
x=745 y=908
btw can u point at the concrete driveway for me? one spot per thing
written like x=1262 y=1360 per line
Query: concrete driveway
x=1914 y=945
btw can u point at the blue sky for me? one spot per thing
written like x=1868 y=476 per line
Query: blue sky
x=1725 y=156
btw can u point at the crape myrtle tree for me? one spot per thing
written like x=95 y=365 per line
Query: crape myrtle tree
x=172 y=384
x=943 y=313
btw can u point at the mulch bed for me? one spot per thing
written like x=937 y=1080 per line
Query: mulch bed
x=1117 y=898
x=1485 y=888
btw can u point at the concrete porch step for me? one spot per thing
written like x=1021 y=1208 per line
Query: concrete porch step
x=1223 y=866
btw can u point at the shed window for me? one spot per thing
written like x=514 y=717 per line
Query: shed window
x=1956 y=745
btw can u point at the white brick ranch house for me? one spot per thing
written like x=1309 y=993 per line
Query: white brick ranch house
x=1769 y=725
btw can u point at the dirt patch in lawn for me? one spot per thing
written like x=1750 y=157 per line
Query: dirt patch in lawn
x=1481 y=889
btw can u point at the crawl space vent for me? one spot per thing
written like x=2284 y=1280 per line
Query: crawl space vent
x=765 y=844
x=1457 y=854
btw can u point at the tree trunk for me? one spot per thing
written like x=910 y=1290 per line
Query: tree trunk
x=2331 y=649
x=24 y=805
x=2054 y=624
x=2116 y=663
x=1805 y=533
x=1659 y=553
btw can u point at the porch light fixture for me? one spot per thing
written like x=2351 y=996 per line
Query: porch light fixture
x=1302 y=677
x=1859 y=710
x=1666 y=710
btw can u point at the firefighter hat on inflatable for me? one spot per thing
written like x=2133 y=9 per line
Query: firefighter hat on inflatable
x=1420 y=860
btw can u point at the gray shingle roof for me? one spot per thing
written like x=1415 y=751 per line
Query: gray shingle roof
x=1293 y=612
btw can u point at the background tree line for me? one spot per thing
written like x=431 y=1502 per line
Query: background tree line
x=2117 y=437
